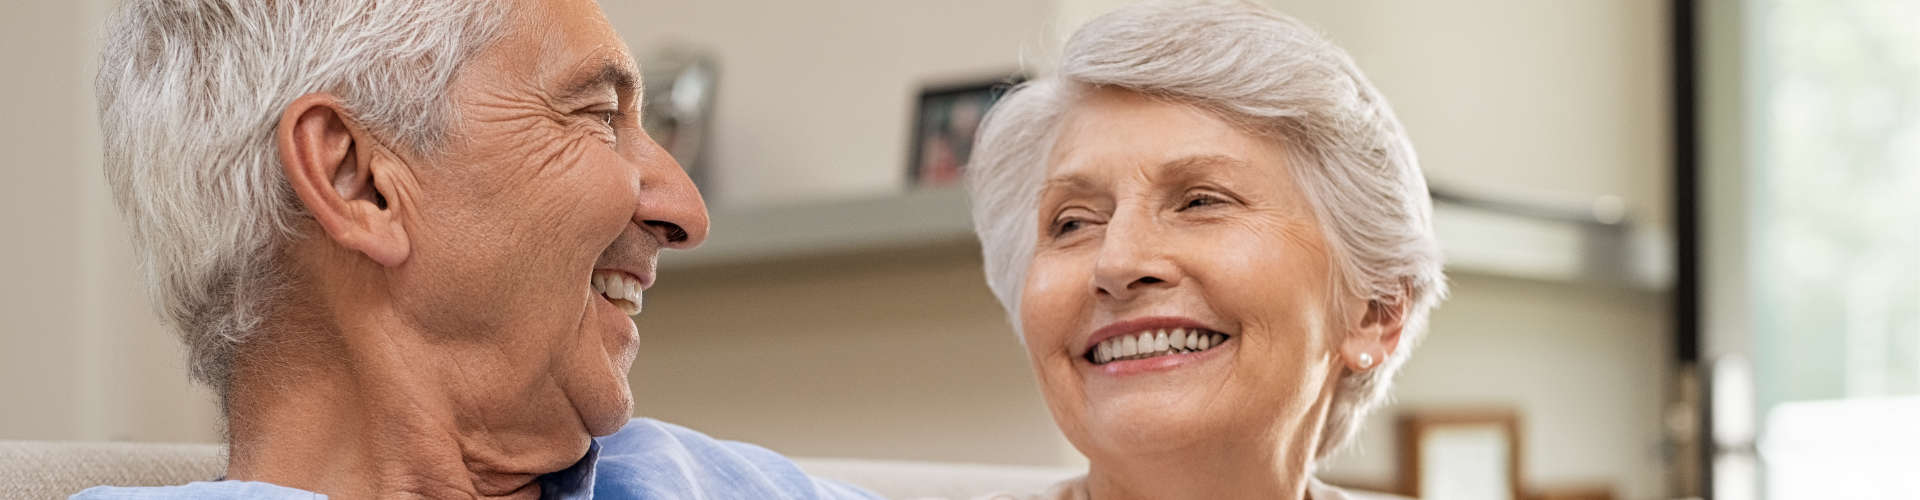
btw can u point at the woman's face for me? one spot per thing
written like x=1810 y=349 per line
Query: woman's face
x=1158 y=218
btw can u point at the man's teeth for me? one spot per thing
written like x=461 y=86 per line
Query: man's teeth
x=1154 y=343
x=619 y=288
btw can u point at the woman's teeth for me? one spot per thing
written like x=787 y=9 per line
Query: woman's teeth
x=619 y=288
x=1154 y=343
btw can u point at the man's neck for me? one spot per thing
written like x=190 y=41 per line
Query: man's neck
x=374 y=419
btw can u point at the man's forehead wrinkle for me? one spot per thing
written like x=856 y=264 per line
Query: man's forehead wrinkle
x=523 y=111
x=511 y=120
x=570 y=56
x=510 y=77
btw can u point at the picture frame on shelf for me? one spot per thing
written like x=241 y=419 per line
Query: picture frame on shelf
x=1461 y=454
x=945 y=120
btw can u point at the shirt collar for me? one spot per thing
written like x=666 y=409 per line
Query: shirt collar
x=572 y=483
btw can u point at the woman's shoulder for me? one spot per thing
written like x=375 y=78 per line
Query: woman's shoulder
x=1076 y=489
x=1317 y=490
x=1071 y=489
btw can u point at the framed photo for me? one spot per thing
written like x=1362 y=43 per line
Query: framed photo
x=1460 y=455
x=944 y=123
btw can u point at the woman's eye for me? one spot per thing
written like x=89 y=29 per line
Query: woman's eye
x=1066 y=226
x=1201 y=201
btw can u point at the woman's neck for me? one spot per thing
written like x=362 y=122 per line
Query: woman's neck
x=1215 y=472
x=1277 y=463
x=373 y=421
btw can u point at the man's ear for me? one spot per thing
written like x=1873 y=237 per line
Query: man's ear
x=1375 y=335
x=341 y=178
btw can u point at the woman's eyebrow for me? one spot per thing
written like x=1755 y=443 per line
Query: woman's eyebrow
x=1066 y=184
x=1185 y=167
x=1200 y=164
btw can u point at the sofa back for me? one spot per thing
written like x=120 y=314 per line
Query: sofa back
x=49 y=470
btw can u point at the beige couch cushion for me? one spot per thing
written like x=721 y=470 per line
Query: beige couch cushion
x=35 y=470
x=913 y=480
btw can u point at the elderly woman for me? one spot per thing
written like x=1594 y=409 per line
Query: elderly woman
x=402 y=240
x=1214 y=239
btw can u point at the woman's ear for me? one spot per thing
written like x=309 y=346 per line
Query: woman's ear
x=1375 y=335
x=343 y=178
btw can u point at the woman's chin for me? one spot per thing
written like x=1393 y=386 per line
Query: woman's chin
x=1154 y=404
x=1147 y=424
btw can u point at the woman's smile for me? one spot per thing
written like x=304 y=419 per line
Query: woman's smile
x=1148 y=345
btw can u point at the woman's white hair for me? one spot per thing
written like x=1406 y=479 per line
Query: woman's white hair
x=191 y=92
x=1270 y=75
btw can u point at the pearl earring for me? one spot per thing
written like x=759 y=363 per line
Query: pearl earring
x=1366 y=360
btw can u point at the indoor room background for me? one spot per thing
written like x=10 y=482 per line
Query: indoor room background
x=839 y=309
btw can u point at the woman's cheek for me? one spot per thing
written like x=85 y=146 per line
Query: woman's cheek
x=1048 y=304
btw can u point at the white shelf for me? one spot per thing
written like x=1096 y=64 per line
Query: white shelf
x=1493 y=243
x=1476 y=240
x=822 y=229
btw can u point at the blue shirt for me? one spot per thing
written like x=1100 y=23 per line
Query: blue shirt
x=647 y=459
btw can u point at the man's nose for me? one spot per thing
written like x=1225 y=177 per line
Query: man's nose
x=670 y=205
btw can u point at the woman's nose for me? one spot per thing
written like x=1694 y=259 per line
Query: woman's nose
x=670 y=205
x=1131 y=261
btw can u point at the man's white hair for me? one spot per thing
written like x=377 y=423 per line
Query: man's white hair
x=191 y=93
x=1266 y=73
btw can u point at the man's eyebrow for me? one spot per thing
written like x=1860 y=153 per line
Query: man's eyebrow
x=605 y=74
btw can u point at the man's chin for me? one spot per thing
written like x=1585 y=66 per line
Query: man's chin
x=611 y=411
x=606 y=404
x=610 y=416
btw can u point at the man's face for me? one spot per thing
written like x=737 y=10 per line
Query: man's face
x=549 y=194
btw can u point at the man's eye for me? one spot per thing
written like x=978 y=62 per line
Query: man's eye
x=607 y=117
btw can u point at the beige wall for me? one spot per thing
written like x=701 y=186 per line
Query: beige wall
x=81 y=355
x=42 y=346
x=888 y=355
x=815 y=96
x=1565 y=98
x=1584 y=367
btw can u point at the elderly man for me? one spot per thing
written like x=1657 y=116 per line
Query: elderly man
x=402 y=240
